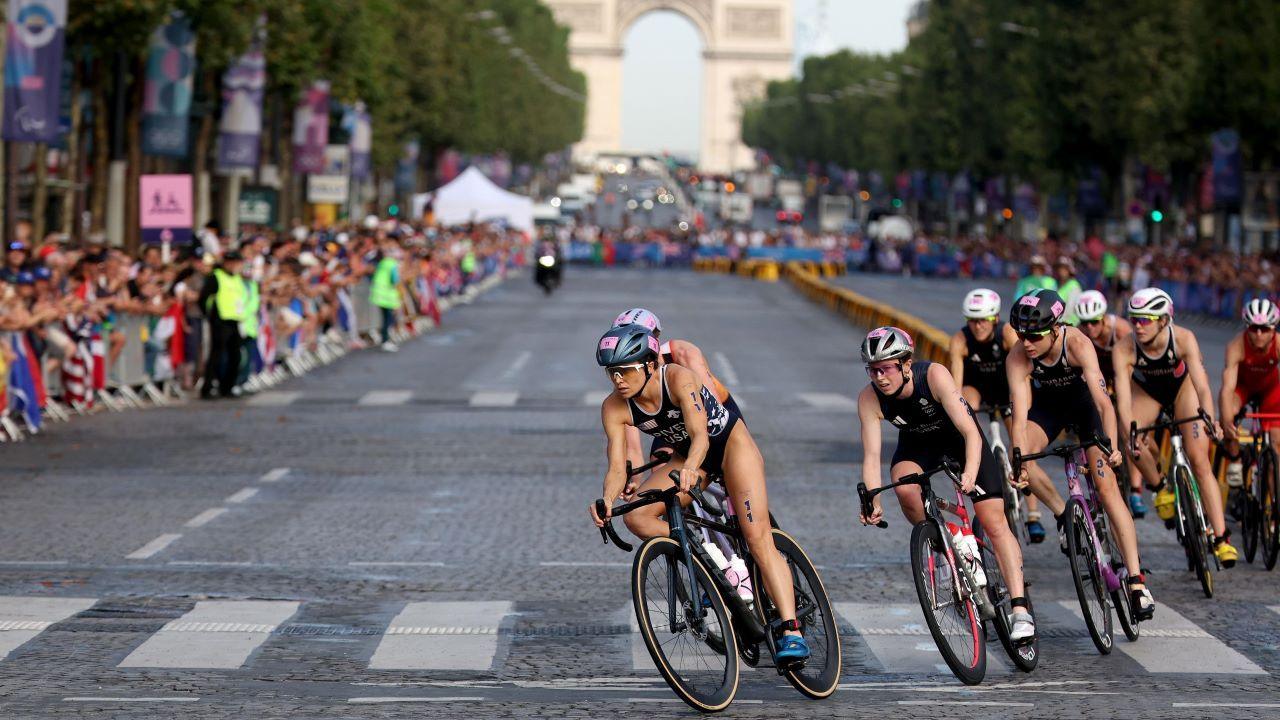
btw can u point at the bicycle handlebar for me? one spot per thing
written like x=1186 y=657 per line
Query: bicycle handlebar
x=648 y=497
x=1062 y=451
x=1134 y=430
x=865 y=496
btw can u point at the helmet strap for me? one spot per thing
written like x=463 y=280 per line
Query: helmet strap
x=648 y=374
x=906 y=378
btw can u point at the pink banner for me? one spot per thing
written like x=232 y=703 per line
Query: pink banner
x=165 y=208
x=311 y=129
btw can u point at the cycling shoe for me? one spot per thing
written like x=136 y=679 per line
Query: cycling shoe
x=792 y=648
x=1035 y=532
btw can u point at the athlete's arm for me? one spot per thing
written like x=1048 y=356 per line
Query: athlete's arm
x=1199 y=376
x=945 y=389
x=1008 y=338
x=1230 y=377
x=959 y=348
x=686 y=390
x=1122 y=359
x=1017 y=368
x=1080 y=349
x=869 y=425
x=614 y=416
x=686 y=354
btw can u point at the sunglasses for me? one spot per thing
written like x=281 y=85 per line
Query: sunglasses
x=1090 y=322
x=1263 y=329
x=1143 y=319
x=974 y=321
x=879 y=372
x=1035 y=336
x=623 y=370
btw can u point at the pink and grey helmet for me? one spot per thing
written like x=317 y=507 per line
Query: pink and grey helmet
x=981 y=304
x=626 y=345
x=1261 y=311
x=1090 y=306
x=639 y=316
x=1152 y=302
x=887 y=343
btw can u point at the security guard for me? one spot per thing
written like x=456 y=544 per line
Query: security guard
x=224 y=300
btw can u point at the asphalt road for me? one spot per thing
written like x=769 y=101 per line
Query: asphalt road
x=400 y=535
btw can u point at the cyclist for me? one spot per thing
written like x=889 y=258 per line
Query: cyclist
x=934 y=422
x=1251 y=373
x=671 y=402
x=1105 y=330
x=1068 y=392
x=977 y=353
x=1151 y=374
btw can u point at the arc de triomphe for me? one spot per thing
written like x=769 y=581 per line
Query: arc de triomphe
x=746 y=44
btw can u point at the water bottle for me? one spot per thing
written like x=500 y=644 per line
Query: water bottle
x=717 y=557
x=966 y=546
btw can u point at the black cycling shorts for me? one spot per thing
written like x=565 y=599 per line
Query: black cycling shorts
x=991 y=390
x=1077 y=414
x=929 y=454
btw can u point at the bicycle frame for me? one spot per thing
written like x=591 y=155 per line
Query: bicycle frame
x=1178 y=460
x=1076 y=489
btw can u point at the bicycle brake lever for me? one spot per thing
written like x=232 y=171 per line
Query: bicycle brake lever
x=866 y=505
x=705 y=504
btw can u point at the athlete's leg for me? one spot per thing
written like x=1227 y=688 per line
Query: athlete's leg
x=1008 y=553
x=1034 y=529
x=1195 y=440
x=647 y=522
x=1116 y=507
x=744 y=478
x=1231 y=440
x=909 y=497
x=1145 y=412
x=1041 y=486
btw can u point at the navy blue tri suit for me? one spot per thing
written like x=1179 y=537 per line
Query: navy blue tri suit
x=926 y=433
x=1160 y=377
x=668 y=429
x=729 y=404
x=1060 y=399
x=984 y=366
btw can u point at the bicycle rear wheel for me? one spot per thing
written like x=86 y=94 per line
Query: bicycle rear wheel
x=1269 y=510
x=1249 y=500
x=687 y=630
x=1024 y=655
x=952 y=619
x=1119 y=597
x=1196 y=540
x=1015 y=508
x=820 y=674
x=1090 y=586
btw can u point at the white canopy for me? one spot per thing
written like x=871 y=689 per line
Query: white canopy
x=472 y=197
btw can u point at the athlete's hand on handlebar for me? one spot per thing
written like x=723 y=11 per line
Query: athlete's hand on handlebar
x=877 y=514
x=1115 y=458
x=608 y=512
x=968 y=481
x=689 y=479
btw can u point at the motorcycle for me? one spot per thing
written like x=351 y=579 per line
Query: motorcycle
x=547 y=272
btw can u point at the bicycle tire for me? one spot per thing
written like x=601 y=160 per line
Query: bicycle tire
x=1195 y=539
x=1024 y=656
x=821 y=672
x=1250 y=511
x=1090 y=586
x=929 y=563
x=1119 y=597
x=721 y=684
x=1269 y=513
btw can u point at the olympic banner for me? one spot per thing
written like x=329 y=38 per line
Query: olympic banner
x=311 y=129
x=1228 y=178
x=33 y=70
x=165 y=208
x=240 y=129
x=171 y=66
x=357 y=124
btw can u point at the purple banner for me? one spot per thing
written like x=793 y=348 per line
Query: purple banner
x=1228 y=179
x=311 y=129
x=357 y=124
x=33 y=69
x=171 y=65
x=240 y=129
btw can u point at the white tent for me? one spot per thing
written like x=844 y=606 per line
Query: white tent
x=472 y=197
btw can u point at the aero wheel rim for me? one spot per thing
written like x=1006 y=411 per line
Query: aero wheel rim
x=956 y=619
x=1095 y=592
x=817 y=626
x=702 y=670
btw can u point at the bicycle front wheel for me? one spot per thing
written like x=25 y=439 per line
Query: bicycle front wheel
x=952 y=618
x=1269 y=511
x=1250 y=508
x=687 y=629
x=1196 y=534
x=1086 y=573
x=1120 y=596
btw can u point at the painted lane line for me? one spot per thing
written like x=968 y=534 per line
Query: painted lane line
x=385 y=398
x=204 y=518
x=1226 y=705
x=242 y=494
x=992 y=703
x=829 y=401
x=22 y=618
x=274 y=398
x=153 y=547
x=274 y=475
x=594 y=398
x=399 y=699
x=516 y=366
x=726 y=369
x=111 y=700
x=555 y=563
x=397 y=563
x=442 y=636
x=883 y=628
x=210 y=563
x=219 y=634
x=23 y=563
x=494 y=398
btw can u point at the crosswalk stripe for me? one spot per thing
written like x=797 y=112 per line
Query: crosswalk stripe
x=442 y=636
x=23 y=618
x=594 y=398
x=275 y=398
x=829 y=401
x=899 y=638
x=383 y=398
x=1170 y=643
x=494 y=398
x=219 y=634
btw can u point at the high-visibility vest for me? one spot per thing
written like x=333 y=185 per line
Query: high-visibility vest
x=230 y=298
x=249 y=325
x=383 y=294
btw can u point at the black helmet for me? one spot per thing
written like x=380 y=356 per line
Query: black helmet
x=1037 y=311
x=626 y=344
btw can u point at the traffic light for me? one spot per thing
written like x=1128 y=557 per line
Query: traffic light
x=1156 y=216
x=897 y=202
x=1007 y=213
x=729 y=187
x=393 y=209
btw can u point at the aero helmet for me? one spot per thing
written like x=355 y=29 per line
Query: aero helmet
x=625 y=345
x=1037 y=311
x=639 y=316
x=981 y=304
x=1261 y=311
x=1091 y=305
x=886 y=343
x=1151 y=301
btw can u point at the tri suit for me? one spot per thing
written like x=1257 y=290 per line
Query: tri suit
x=668 y=429
x=1160 y=377
x=1258 y=379
x=729 y=403
x=1060 y=399
x=926 y=434
x=984 y=366
x=1105 y=353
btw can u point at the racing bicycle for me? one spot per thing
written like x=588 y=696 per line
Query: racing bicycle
x=1258 y=508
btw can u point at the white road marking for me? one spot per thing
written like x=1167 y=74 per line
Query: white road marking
x=397 y=563
x=22 y=618
x=384 y=398
x=275 y=398
x=205 y=517
x=1001 y=703
x=442 y=636
x=242 y=494
x=211 y=563
x=555 y=563
x=274 y=475
x=494 y=398
x=214 y=634
x=1173 y=644
x=20 y=563
x=516 y=366
x=1226 y=705
x=594 y=398
x=899 y=638
x=153 y=547
x=829 y=401
x=726 y=369
x=112 y=700
x=400 y=699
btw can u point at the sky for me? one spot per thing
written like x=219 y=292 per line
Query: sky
x=662 y=67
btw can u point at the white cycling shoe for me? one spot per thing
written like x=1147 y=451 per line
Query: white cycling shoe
x=1024 y=626
x=1235 y=474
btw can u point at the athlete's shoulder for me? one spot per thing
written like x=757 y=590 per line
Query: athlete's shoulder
x=615 y=406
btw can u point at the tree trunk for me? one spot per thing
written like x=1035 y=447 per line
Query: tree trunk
x=40 y=192
x=286 y=165
x=72 y=171
x=3 y=216
x=133 y=170
x=200 y=159
x=101 y=149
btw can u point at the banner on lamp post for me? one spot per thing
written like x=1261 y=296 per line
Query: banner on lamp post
x=165 y=208
x=33 y=69
x=358 y=125
x=171 y=65
x=240 y=129
x=331 y=185
x=311 y=129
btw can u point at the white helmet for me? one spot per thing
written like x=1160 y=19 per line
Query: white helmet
x=1261 y=311
x=639 y=316
x=1091 y=305
x=1151 y=301
x=981 y=304
x=886 y=343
